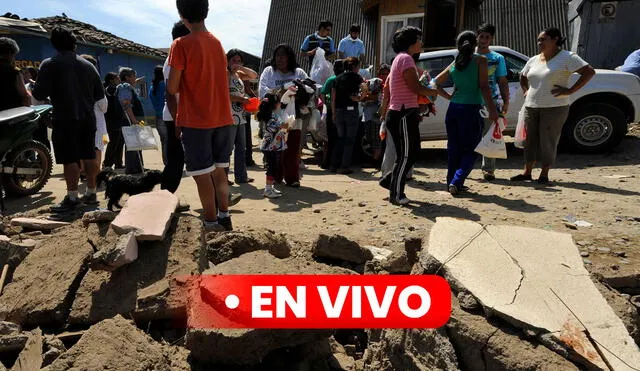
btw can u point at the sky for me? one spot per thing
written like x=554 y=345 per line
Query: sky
x=237 y=23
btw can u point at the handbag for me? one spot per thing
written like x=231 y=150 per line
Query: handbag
x=139 y=138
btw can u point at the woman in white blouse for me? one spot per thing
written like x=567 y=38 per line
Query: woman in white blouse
x=545 y=80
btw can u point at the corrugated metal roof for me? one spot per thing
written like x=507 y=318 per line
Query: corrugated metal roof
x=291 y=20
x=518 y=22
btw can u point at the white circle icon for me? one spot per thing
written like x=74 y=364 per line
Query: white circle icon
x=232 y=301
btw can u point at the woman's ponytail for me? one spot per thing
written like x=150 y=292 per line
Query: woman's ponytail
x=466 y=43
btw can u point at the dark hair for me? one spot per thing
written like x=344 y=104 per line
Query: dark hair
x=233 y=52
x=90 y=59
x=193 y=11
x=179 y=30
x=125 y=72
x=292 y=64
x=338 y=67
x=109 y=77
x=555 y=33
x=405 y=37
x=267 y=105
x=63 y=39
x=350 y=63
x=325 y=24
x=416 y=57
x=384 y=66
x=8 y=47
x=157 y=77
x=466 y=43
x=488 y=28
x=354 y=28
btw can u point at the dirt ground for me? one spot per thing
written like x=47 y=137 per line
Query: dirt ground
x=600 y=189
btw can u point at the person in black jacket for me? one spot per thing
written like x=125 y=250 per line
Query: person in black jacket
x=115 y=119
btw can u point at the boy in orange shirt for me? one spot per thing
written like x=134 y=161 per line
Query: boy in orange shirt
x=203 y=115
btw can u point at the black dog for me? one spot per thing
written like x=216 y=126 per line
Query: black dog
x=119 y=185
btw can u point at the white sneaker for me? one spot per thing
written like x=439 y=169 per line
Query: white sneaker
x=403 y=201
x=271 y=194
x=276 y=191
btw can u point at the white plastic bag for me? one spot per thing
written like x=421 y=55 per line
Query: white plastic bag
x=139 y=138
x=289 y=113
x=321 y=130
x=520 y=137
x=492 y=144
x=321 y=69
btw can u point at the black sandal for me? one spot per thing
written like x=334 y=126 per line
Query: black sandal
x=521 y=177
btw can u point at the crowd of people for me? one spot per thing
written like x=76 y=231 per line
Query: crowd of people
x=201 y=92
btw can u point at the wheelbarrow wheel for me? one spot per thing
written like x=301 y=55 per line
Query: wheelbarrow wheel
x=28 y=155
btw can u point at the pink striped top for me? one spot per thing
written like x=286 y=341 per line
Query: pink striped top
x=401 y=95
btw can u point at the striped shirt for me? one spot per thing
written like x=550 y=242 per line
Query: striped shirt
x=401 y=95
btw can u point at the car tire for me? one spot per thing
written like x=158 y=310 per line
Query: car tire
x=594 y=128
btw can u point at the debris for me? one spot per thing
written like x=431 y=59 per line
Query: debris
x=147 y=214
x=397 y=262
x=605 y=250
x=44 y=284
x=635 y=300
x=102 y=295
x=248 y=346
x=3 y=276
x=584 y=254
x=9 y=328
x=341 y=361
x=117 y=344
x=98 y=216
x=533 y=279
x=339 y=247
x=226 y=246
x=39 y=224
x=317 y=211
x=13 y=342
x=582 y=223
x=31 y=356
x=362 y=204
x=123 y=252
x=379 y=253
x=467 y=301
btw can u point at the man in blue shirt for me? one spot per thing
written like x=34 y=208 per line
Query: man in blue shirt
x=498 y=84
x=319 y=39
x=352 y=46
x=632 y=63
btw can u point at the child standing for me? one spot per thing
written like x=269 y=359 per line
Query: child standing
x=273 y=140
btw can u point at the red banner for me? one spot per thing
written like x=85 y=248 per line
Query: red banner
x=319 y=301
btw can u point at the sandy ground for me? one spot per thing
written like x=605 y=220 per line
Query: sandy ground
x=585 y=186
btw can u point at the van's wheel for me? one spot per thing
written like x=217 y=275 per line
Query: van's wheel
x=31 y=155
x=594 y=128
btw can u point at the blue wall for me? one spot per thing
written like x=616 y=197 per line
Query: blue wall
x=34 y=49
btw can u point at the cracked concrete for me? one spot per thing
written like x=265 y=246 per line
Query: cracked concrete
x=512 y=272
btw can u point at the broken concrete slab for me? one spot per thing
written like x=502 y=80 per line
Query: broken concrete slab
x=409 y=349
x=482 y=346
x=30 y=358
x=533 y=279
x=147 y=214
x=248 y=346
x=341 y=361
x=117 y=343
x=99 y=216
x=227 y=246
x=9 y=328
x=37 y=223
x=123 y=252
x=45 y=283
x=341 y=248
x=397 y=263
x=379 y=253
x=138 y=288
x=14 y=342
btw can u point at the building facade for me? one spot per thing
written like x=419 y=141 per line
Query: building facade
x=110 y=51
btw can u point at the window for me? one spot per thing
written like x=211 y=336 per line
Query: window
x=514 y=67
x=391 y=24
x=436 y=65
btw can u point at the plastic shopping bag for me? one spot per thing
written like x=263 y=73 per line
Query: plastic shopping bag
x=321 y=130
x=492 y=144
x=139 y=138
x=321 y=69
x=520 y=136
x=289 y=114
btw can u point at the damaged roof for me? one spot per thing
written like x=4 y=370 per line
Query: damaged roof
x=86 y=33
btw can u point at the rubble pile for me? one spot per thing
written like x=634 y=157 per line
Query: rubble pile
x=108 y=291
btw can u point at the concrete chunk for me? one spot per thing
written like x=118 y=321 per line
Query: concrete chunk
x=39 y=224
x=44 y=284
x=30 y=358
x=113 y=257
x=99 y=216
x=231 y=245
x=147 y=214
x=9 y=328
x=140 y=288
x=14 y=342
x=341 y=248
x=534 y=279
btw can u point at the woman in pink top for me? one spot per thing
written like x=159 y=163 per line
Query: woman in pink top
x=400 y=109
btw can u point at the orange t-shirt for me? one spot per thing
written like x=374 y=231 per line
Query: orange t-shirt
x=204 y=87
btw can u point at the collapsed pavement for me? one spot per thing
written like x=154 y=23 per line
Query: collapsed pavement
x=119 y=278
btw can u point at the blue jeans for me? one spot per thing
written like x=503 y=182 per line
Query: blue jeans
x=347 y=128
x=464 y=132
x=240 y=148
